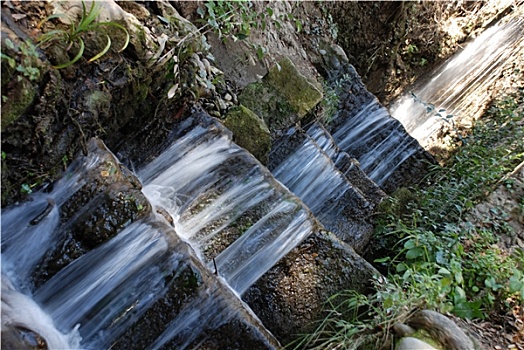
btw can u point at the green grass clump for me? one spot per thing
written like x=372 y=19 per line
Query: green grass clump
x=73 y=35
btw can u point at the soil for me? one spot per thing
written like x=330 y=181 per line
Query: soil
x=391 y=44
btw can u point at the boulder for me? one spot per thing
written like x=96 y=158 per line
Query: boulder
x=409 y=343
x=249 y=132
x=283 y=97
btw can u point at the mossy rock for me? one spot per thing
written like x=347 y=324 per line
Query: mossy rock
x=268 y=104
x=249 y=132
x=299 y=92
x=19 y=98
x=282 y=98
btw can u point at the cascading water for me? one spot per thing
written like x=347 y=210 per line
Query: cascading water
x=208 y=185
x=188 y=180
x=376 y=141
x=28 y=232
x=460 y=87
x=221 y=221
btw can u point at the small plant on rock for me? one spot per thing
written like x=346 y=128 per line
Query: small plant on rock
x=28 y=65
x=73 y=36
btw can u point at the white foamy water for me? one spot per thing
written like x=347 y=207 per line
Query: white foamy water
x=380 y=145
x=311 y=175
x=207 y=182
x=20 y=310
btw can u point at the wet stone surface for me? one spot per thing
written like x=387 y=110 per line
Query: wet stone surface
x=290 y=296
x=109 y=200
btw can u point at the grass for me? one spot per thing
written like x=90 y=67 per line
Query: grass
x=73 y=35
x=440 y=260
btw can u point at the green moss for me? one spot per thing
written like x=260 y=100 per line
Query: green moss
x=19 y=99
x=283 y=97
x=250 y=132
x=268 y=104
x=299 y=92
x=423 y=335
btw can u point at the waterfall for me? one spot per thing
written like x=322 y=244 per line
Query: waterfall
x=311 y=175
x=460 y=87
x=88 y=286
x=220 y=200
x=21 y=312
x=29 y=231
x=373 y=137
x=189 y=181
x=219 y=221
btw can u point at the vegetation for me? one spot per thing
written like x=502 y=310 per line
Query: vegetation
x=237 y=19
x=28 y=65
x=73 y=36
x=441 y=260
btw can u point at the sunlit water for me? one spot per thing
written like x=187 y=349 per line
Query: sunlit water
x=460 y=87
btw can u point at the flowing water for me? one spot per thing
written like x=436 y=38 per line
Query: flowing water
x=217 y=213
x=376 y=140
x=460 y=87
x=206 y=184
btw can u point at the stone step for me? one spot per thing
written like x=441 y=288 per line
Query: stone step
x=221 y=252
x=365 y=130
x=347 y=165
x=309 y=171
x=227 y=205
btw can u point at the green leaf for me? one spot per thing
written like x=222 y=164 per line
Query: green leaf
x=26 y=189
x=458 y=277
x=163 y=19
x=411 y=243
x=466 y=309
x=9 y=44
x=444 y=271
x=414 y=253
x=269 y=11
x=516 y=282
x=445 y=282
x=401 y=267
x=86 y=20
x=77 y=57
x=51 y=35
x=56 y=15
x=298 y=24
x=116 y=25
x=103 y=52
x=460 y=294
x=260 y=52
x=490 y=282
x=201 y=12
x=10 y=61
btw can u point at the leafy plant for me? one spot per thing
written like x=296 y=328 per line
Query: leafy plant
x=28 y=66
x=329 y=105
x=237 y=19
x=358 y=321
x=73 y=36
